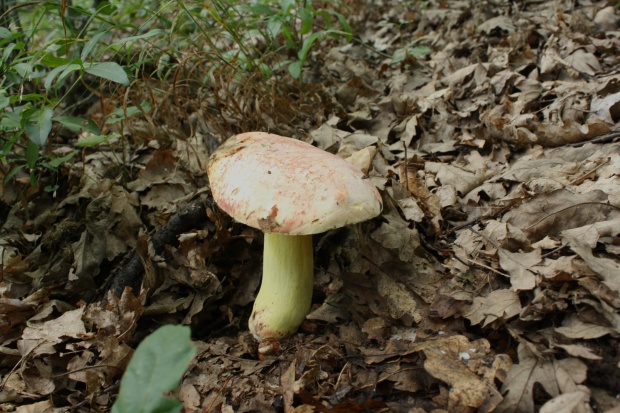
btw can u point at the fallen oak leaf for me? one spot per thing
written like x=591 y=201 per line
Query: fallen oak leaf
x=567 y=402
x=550 y=214
x=519 y=265
x=555 y=376
x=40 y=338
x=574 y=328
x=500 y=304
x=583 y=239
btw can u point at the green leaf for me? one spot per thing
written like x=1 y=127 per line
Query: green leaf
x=95 y=140
x=78 y=65
x=402 y=53
x=32 y=154
x=129 y=111
x=274 y=27
x=33 y=178
x=63 y=71
x=106 y=8
x=30 y=97
x=56 y=162
x=125 y=40
x=88 y=47
x=155 y=369
x=11 y=121
x=345 y=25
x=50 y=60
x=39 y=125
x=265 y=71
x=305 y=48
x=7 y=51
x=4 y=99
x=261 y=9
x=420 y=50
x=109 y=70
x=12 y=172
x=5 y=33
x=295 y=69
x=76 y=124
x=307 y=20
x=286 y=6
x=27 y=71
x=289 y=37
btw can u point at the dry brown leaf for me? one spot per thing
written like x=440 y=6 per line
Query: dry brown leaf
x=500 y=22
x=550 y=214
x=519 y=265
x=363 y=158
x=13 y=315
x=574 y=328
x=525 y=170
x=188 y=394
x=334 y=309
x=584 y=62
x=38 y=377
x=583 y=239
x=556 y=376
x=40 y=407
x=327 y=135
x=162 y=168
x=562 y=121
x=399 y=300
x=115 y=316
x=39 y=338
x=573 y=402
x=607 y=19
x=507 y=236
x=288 y=387
x=396 y=235
x=576 y=350
x=462 y=180
x=607 y=108
x=498 y=305
x=377 y=329
x=565 y=268
x=466 y=388
x=411 y=210
x=193 y=153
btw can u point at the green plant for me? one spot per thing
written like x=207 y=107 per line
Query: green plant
x=258 y=29
x=43 y=68
x=68 y=51
x=413 y=49
x=155 y=369
x=34 y=83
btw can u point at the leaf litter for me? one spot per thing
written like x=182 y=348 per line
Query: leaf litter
x=489 y=283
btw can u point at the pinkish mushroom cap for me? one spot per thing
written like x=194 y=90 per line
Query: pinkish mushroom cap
x=282 y=185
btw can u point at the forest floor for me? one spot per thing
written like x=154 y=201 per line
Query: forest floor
x=490 y=282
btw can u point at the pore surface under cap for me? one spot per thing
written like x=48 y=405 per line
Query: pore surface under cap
x=286 y=186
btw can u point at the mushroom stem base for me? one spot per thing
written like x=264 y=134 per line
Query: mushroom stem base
x=285 y=294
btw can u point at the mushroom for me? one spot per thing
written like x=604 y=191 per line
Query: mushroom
x=289 y=190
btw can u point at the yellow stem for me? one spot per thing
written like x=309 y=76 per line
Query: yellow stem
x=285 y=294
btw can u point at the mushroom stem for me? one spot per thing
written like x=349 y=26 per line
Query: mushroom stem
x=285 y=294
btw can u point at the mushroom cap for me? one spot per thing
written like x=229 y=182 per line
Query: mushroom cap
x=286 y=186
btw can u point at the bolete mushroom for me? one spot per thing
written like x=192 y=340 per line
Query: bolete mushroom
x=290 y=190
